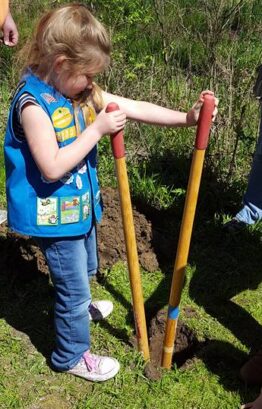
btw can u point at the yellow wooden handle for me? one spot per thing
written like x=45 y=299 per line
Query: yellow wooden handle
x=182 y=255
x=203 y=129
x=118 y=147
x=132 y=257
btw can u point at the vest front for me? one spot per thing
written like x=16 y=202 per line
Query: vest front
x=37 y=207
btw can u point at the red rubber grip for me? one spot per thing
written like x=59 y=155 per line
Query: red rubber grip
x=117 y=139
x=204 y=122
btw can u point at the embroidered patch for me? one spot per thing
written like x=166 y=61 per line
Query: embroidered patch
x=86 y=206
x=48 y=97
x=67 y=178
x=68 y=133
x=70 y=209
x=79 y=183
x=47 y=214
x=62 y=117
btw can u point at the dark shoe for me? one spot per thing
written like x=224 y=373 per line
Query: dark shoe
x=251 y=371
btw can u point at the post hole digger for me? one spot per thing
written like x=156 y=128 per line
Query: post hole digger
x=202 y=134
x=117 y=142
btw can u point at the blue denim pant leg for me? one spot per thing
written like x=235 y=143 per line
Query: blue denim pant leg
x=68 y=262
x=252 y=209
x=91 y=248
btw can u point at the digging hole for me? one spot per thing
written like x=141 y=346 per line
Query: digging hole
x=184 y=349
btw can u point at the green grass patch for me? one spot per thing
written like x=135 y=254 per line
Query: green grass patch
x=210 y=379
x=164 y=52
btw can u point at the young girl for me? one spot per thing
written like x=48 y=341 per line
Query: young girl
x=56 y=119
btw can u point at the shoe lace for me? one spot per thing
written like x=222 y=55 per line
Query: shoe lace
x=91 y=361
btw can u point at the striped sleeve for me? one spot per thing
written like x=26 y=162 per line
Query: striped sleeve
x=21 y=102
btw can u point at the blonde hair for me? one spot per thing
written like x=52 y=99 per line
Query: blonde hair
x=73 y=32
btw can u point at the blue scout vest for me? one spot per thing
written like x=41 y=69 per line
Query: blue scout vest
x=37 y=207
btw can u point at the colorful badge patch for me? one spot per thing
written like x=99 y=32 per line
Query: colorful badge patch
x=47 y=211
x=79 y=183
x=65 y=134
x=62 y=117
x=70 y=209
x=86 y=205
x=48 y=97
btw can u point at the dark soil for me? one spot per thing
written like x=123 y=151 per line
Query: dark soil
x=185 y=345
x=21 y=259
x=111 y=243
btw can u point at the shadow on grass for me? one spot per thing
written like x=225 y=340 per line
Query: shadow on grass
x=27 y=296
x=122 y=335
x=225 y=265
x=224 y=359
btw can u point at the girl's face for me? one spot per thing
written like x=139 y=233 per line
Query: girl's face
x=73 y=85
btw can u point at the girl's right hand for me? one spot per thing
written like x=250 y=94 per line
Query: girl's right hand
x=109 y=122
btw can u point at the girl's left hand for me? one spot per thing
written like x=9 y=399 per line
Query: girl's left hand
x=193 y=113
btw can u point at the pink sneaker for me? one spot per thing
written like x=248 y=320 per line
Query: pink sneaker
x=95 y=368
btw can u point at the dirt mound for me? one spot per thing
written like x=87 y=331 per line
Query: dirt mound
x=19 y=256
x=111 y=243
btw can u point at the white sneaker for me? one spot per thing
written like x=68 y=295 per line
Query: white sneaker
x=95 y=368
x=3 y=216
x=99 y=310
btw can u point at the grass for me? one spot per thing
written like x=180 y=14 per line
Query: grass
x=166 y=58
x=224 y=295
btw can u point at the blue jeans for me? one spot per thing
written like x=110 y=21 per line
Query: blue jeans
x=70 y=261
x=252 y=209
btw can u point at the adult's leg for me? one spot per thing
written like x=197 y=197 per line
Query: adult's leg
x=252 y=209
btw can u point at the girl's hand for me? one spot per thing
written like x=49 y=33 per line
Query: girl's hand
x=109 y=122
x=193 y=114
